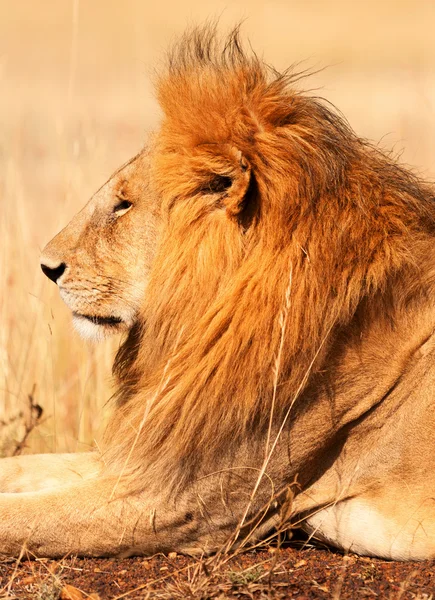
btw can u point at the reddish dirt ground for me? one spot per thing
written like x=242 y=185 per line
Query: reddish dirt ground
x=289 y=572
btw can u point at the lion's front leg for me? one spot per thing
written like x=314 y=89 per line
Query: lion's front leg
x=43 y=471
x=100 y=517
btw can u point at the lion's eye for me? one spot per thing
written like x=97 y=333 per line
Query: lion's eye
x=122 y=207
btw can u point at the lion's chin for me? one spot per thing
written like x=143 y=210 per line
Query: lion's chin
x=96 y=328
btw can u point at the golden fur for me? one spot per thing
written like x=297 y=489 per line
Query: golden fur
x=275 y=274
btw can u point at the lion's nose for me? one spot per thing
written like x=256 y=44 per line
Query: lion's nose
x=53 y=272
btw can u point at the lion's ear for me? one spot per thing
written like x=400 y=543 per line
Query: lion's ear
x=232 y=180
x=236 y=194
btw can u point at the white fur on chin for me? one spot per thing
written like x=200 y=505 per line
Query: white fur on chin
x=91 y=331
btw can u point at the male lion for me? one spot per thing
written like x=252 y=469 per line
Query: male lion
x=276 y=278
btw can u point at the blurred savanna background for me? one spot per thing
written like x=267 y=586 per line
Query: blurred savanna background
x=76 y=101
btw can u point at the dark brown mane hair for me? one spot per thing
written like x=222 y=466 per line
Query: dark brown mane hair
x=278 y=224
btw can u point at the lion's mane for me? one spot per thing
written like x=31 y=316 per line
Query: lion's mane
x=280 y=226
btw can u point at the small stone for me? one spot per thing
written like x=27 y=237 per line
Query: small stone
x=172 y=555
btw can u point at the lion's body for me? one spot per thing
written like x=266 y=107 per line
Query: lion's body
x=275 y=274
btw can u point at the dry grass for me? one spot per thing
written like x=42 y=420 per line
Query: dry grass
x=76 y=102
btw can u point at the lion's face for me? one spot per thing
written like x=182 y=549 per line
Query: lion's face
x=102 y=258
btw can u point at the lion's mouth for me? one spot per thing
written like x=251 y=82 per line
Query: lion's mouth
x=97 y=320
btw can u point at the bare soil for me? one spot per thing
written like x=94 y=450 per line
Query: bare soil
x=288 y=572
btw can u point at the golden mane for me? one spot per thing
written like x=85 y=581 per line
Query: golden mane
x=279 y=225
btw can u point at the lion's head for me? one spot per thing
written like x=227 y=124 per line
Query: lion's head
x=101 y=260
x=276 y=226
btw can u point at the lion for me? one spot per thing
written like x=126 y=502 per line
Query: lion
x=274 y=278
